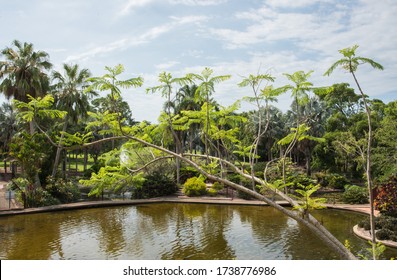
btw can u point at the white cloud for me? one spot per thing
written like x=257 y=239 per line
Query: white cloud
x=270 y=26
x=145 y=37
x=198 y=2
x=166 y=65
x=189 y=19
x=293 y=3
x=132 y=4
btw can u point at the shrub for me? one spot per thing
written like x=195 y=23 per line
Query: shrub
x=188 y=172
x=31 y=196
x=212 y=192
x=384 y=234
x=386 y=199
x=335 y=181
x=297 y=179
x=64 y=191
x=155 y=185
x=364 y=224
x=217 y=186
x=194 y=186
x=355 y=195
x=386 y=222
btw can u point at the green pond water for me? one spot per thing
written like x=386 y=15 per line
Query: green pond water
x=173 y=231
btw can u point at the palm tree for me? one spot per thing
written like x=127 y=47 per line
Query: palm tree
x=72 y=98
x=23 y=72
x=186 y=101
x=8 y=125
x=204 y=91
x=350 y=62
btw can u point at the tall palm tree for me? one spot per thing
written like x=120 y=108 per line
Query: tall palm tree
x=8 y=125
x=186 y=101
x=71 y=97
x=23 y=72
x=350 y=62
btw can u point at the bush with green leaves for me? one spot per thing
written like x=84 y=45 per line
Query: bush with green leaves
x=355 y=195
x=31 y=196
x=333 y=180
x=297 y=179
x=155 y=185
x=385 y=234
x=217 y=186
x=194 y=186
x=386 y=222
x=386 y=227
x=212 y=192
x=64 y=191
x=187 y=172
x=364 y=224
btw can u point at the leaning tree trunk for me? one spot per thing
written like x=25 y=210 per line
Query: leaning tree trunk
x=305 y=219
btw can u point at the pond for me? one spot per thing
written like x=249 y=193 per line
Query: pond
x=172 y=231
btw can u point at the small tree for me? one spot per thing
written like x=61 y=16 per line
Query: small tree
x=350 y=62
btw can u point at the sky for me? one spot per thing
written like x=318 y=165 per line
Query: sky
x=229 y=36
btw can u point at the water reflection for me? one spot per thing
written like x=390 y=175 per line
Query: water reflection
x=171 y=231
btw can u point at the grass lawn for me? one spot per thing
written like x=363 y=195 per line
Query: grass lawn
x=72 y=160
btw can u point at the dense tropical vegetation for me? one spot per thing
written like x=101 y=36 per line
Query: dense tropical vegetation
x=331 y=139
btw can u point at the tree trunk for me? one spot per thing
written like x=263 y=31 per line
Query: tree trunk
x=307 y=220
x=85 y=159
x=59 y=149
x=368 y=170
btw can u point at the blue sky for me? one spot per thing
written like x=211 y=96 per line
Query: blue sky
x=230 y=36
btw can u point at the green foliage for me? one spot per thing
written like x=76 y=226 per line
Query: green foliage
x=307 y=202
x=64 y=191
x=217 y=186
x=386 y=197
x=155 y=185
x=355 y=195
x=297 y=179
x=30 y=196
x=350 y=61
x=379 y=250
x=299 y=134
x=110 y=178
x=385 y=234
x=187 y=172
x=364 y=224
x=335 y=181
x=212 y=192
x=38 y=108
x=194 y=186
x=30 y=151
x=110 y=82
x=386 y=227
x=386 y=222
